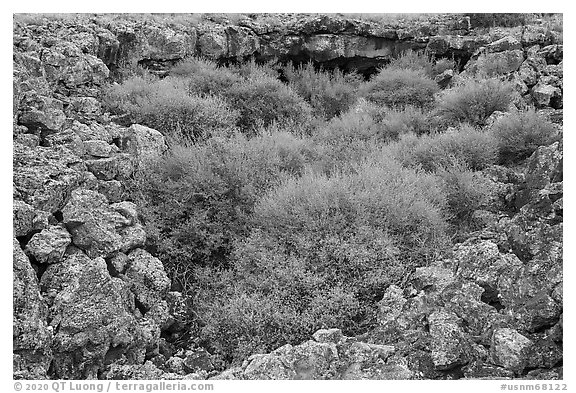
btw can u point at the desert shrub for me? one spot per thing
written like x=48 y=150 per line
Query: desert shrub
x=498 y=20
x=268 y=300
x=466 y=191
x=349 y=126
x=252 y=69
x=441 y=65
x=329 y=93
x=262 y=100
x=198 y=199
x=166 y=106
x=204 y=76
x=412 y=60
x=519 y=134
x=475 y=100
x=400 y=87
x=349 y=138
x=471 y=147
x=321 y=253
x=314 y=205
x=397 y=122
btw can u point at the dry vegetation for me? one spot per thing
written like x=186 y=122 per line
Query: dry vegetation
x=285 y=208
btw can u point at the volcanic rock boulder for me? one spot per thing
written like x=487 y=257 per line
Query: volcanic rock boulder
x=44 y=178
x=147 y=278
x=510 y=349
x=143 y=143
x=92 y=317
x=32 y=337
x=101 y=229
x=49 y=245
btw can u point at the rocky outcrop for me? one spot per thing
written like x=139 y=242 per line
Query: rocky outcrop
x=79 y=313
x=32 y=337
x=328 y=39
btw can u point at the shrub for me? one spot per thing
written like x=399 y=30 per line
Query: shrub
x=268 y=300
x=398 y=122
x=198 y=199
x=475 y=100
x=262 y=100
x=442 y=65
x=400 y=87
x=329 y=93
x=166 y=106
x=204 y=77
x=466 y=191
x=253 y=70
x=321 y=253
x=498 y=20
x=471 y=147
x=348 y=138
x=519 y=134
x=315 y=205
x=412 y=60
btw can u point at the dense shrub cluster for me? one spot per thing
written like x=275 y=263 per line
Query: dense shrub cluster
x=324 y=248
x=166 y=105
x=282 y=208
x=401 y=87
x=263 y=100
x=475 y=148
x=475 y=100
x=498 y=20
x=520 y=134
x=198 y=199
x=329 y=93
x=204 y=76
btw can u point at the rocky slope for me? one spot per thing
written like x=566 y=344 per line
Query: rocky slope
x=90 y=302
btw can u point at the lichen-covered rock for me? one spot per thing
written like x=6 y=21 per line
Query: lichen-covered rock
x=545 y=166
x=66 y=138
x=309 y=360
x=146 y=371
x=117 y=167
x=94 y=225
x=92 y=316
x=99 y=148
x=510 y=349
x=43 y=177
x=143 y=143
x=432 y=278
x=197 y=360
x=94 y=131
x=25 y=218
x=483 y=263
x=391 y=305
x=65 y=63
x=449 y=345
x=504 y=44
x=86 y=107
x=146 y=277
x=546 y=95
x=328 y=336
x=49 y=245
x=32 y=337
x=43 y=113
x=111 y=189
